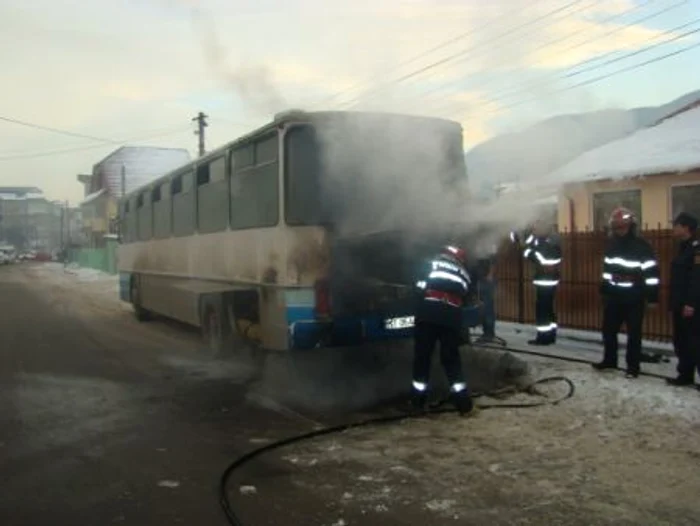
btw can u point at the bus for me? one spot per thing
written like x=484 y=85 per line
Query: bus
x=304 y=233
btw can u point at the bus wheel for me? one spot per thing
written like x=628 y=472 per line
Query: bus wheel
x=216 y=331
x=140 y=313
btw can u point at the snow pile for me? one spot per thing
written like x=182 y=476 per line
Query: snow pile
x=88 y=274
x=671 y=146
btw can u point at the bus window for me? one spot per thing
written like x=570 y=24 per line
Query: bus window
x=162 y=212
x=145 y=217
x=212 y=200
x=301 y=177
x=266 y=150
x=255 y=193
x=243 y=156
x=183 y=202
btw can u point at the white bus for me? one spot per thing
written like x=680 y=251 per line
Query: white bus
x=269 y=237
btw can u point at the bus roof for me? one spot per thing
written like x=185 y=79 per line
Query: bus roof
x=282 y=118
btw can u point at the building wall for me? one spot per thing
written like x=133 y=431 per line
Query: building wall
x=32 y=222
x=655 y=196
x=97 y=216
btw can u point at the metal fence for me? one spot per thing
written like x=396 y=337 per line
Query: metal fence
x=578 y=303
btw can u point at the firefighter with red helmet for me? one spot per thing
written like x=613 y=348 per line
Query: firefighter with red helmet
x=630 y=281
x=443 y=292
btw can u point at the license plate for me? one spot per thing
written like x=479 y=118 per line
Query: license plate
x=405 y=322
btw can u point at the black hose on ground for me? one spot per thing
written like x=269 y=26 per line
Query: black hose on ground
x=570 y=359
x=238 y=463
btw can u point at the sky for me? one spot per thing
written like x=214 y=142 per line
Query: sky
x=138 y=71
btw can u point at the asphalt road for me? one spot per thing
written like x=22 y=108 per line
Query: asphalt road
x=107 y=421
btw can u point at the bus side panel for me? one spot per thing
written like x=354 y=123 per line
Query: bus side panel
x=273 y=319
x=176 y=298
x=304 y=331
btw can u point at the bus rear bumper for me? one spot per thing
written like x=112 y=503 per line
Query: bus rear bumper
x=311 y=333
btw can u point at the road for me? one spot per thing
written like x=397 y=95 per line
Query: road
x=104 y=420
x=107 y=421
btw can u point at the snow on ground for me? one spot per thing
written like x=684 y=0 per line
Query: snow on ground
x=94 y=281
x=620 y=452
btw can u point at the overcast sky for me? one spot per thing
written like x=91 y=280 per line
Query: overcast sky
x=139 y=70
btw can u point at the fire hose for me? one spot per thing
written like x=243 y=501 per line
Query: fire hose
x=224 y=500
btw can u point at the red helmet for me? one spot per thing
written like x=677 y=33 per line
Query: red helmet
x=455 y=252
x=622 y=217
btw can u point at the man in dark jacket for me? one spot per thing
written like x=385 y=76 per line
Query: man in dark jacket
x=486 y=279
x=685 y=299
x=443 y=292
x=630 y=281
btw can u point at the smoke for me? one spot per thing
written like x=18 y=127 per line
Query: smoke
x=351 y=379
x=253 y=84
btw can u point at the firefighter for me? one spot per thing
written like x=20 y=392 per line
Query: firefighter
x=543 y=249
x=685 y=299
x=443 y=292
x=630 y=281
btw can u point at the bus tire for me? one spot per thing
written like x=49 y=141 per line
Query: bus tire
x=140 y=313
x=216 y=330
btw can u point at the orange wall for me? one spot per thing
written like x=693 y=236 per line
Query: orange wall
x=656 y=198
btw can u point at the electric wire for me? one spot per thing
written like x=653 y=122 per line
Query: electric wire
x=587 y=82
x=49 y=153
x=573 y=72
x=424 y=54
x=455 y=56
x=576 y=45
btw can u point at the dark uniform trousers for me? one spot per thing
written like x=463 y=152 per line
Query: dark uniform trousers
x=545 y=317
x=686 y=342
x=426 y=336
x=616 y=313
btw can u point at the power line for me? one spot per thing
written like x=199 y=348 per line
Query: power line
x=459 y=54
x=56 y=130
x=425 y=53
x=579 y=44
x=509 y=91
x=495 y=100
x=599 y=78
x=91 y=147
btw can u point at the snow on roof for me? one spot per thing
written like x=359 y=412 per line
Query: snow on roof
x=142 y=164
x=93 y=196
x=669 y=147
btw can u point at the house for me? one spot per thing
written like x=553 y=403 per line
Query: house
x=655 y=172
x=28 y=220
x=122 y=171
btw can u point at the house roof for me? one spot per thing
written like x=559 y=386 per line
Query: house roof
x=21 y=192
x=142 y=164
x=93 y=196
x=669 y=147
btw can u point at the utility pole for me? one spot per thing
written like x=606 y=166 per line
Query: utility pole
x=123 y=180
x=201 y=121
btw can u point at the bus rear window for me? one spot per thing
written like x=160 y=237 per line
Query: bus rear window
x=302 y=181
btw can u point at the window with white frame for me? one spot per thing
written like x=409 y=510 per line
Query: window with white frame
x=605 y=202
x=685 y=198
